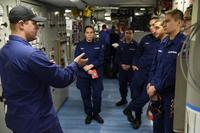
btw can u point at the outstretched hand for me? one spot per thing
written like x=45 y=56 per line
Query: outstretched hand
x=80 y=61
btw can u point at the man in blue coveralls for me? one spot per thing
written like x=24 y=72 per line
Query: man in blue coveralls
x=90 y=77
x=162 y=77
x=141 y=66
x=104 y=39
x=27 y=74
x=104 y=36
x=125 y=53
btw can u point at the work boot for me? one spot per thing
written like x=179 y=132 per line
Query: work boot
x=128 y=114
x=88 y=119
x=137 y=122
x=121 y=102
x=98 y=118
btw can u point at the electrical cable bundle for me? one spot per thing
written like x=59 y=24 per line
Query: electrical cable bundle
x=195 y=28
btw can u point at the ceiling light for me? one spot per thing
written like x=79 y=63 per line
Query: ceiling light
x=142 y=9
x=105 y=7
x=67 y=18
x=56 y=13
x=107 y=14
x=74 y=0
x=108 y=18
x=68 y=11
x=138 y=13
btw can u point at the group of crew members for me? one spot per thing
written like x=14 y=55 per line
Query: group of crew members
x=148 y=68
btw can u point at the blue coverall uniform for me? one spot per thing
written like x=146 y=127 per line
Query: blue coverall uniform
x=104 y=39
x=125 y=55
x=143 y=60
x=114 y=38
x=88 y=86
x=163 y=76
x=26 y=75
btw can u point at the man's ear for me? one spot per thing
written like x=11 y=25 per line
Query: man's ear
x=180 y=22
x=21 y=24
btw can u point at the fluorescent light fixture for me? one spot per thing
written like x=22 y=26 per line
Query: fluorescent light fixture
x=138 y=13
x=142 y=9
x=105 y=7
x=67 y=18
x=108 y=18
x=107 y=14
x=56 y=13
x=74 y=0
x=68 y=11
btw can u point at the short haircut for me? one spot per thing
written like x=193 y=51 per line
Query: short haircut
x=88 y=26
x=154 y=17
x=104 y=26
x=130 y=28
x=188 y=13
x=12 y=26
x=113 y=27
x=176 y=14
x=161 y=18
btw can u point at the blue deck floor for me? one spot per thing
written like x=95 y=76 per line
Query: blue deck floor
x=72 y=115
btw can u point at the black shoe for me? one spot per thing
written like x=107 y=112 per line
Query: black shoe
x=128 y=114
x=98 y=118
x=137 y=123
x=121 y=102
x=88 y=119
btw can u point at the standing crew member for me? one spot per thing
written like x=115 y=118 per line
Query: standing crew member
x=27 y=74
x=162 y=78
x=114 y=40
x=125 y=54
x=141 y=66
x=104 y=39
x=90 y=77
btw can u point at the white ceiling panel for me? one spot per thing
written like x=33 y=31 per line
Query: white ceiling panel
x=105 y=3
x=120 y=3
x=59 y=3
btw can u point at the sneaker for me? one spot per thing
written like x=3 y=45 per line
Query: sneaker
x=128 y=114
x=121 y=102
x=88 y=119
x=136 y=123
x=98 y=118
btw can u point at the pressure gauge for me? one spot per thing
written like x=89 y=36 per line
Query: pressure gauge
x=1 y=10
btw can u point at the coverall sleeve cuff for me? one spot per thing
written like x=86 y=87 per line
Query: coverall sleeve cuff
x=74 y=65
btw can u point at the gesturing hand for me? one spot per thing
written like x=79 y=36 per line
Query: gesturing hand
x=81 y=62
